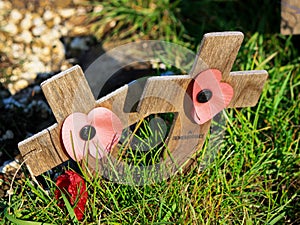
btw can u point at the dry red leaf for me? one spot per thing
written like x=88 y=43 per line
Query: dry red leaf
x=74 y=187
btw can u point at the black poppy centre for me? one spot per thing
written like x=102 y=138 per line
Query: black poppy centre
x=87 y=132
x=204 y=96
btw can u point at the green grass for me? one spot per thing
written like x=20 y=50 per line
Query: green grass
x=181 y=21
x=137 y=19
x=254 y=178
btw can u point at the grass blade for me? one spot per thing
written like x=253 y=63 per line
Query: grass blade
x=14 y=220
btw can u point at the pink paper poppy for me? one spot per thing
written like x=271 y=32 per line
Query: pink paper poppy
x=95 y=133
x=74 y=188
x=210 y=95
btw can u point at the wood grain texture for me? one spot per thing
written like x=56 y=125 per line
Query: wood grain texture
x=66 y=92
x=43 y=151
x=217 y=51
x=290 y=17
x=247 y=86
x=164 y=94
x=69 y=92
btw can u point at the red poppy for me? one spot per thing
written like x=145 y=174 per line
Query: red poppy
x=210 y=95
x=94 y=134
x=73 y=186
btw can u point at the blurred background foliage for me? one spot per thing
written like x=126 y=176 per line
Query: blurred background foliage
x=181 y=21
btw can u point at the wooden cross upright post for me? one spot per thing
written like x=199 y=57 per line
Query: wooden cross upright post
x=69 y=92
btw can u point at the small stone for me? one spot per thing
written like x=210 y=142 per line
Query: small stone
x=62 y=30
x=46 y=51
x=98 y=8
x=26 y=23
x=16 y=73
x=53 y=34
x=112 y=24
x=35 y=66
x=14 y=77
x=5 y=5
x=11 y=28
x=57 y=20
x=20 y=84
x=37 y=21
x=7 y=48
x=15 y=15
x=47 y=59
x=39 y=30
x=29 y=76
x=36 y=49
x=1 y=4
x=48 y=15
x=25 y=37
x=44 y=4
x=81 y=11
x=49 y=37
x=67 y=13
x=43 y=41
x=17 y=50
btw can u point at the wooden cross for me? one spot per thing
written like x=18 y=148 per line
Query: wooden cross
x=69 y=92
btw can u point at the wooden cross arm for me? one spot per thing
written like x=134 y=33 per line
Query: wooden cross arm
x=161 y=91
x=68 y=92
x=42 y=151
x=218 y=50
x=247 y=86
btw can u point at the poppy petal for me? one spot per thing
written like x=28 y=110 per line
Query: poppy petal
x=74 y=145
x=220 y=95
x=74 y=187
x=108 y=128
